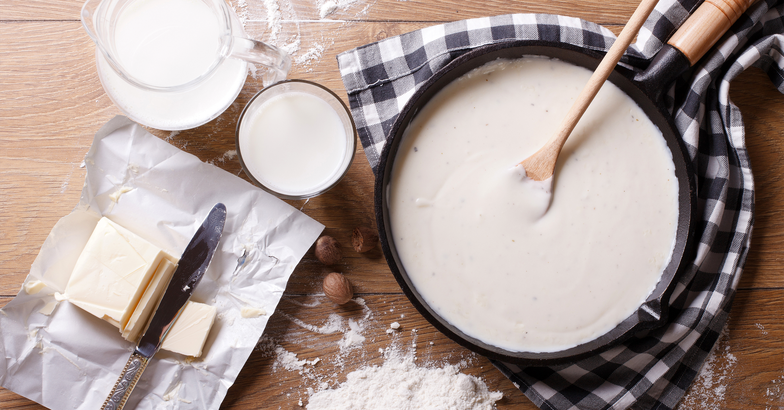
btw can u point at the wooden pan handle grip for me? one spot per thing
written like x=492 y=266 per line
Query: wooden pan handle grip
x=706 y=26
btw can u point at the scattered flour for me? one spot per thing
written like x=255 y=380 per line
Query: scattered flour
x=277 y=13
x=353 y=337
x=352 y=329
x=289 y=361
x=313 y=54
x=328 y=7
x=171 y=135
x=241 y=9
x=400 y=384
x=333 y=324
x=774 y=393
x=710 y=388
x=228 y=155
x=274 y=18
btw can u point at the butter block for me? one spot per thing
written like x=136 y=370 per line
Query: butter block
x=113 y=272
x=190 y=331
x=149 y=300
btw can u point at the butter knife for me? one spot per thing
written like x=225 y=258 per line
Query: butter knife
x=193 y=263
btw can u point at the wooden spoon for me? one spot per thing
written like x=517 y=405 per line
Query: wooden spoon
x=541 y=165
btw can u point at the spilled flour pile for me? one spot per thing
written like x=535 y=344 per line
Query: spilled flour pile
x=400 y=384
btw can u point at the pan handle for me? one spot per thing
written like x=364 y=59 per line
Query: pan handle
x=706 y=26
x=692 y=40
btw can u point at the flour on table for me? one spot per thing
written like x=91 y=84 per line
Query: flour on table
x=402 y=381
x=277 y=13
x=352 y=329
x=228 y=155
x=774 y=393
x=352 y=337
x=314 y=53
x=241 y=10
x=401 y=384
x=333 y=324
x=171 y=136
x=710 y=387
x=327 y=7
x=289 y=360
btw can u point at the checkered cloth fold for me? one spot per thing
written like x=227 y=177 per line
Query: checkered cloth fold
x=652 y=370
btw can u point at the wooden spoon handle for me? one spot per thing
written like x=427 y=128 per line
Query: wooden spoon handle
x=605 y=68
x=706 y=26
x=540 y=166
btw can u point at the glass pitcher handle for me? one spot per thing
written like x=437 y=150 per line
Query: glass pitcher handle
x=276 y=61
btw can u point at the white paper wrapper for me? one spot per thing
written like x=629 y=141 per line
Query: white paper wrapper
x=70 y=359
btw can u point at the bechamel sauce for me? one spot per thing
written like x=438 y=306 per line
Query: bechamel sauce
x=294 y=143
x=167 y=43
x=473 y=234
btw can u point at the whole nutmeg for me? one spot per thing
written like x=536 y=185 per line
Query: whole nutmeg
x=328 y=250
x=364 y=239
x=337 y=288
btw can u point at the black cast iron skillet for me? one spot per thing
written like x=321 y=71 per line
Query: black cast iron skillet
x=645 y=88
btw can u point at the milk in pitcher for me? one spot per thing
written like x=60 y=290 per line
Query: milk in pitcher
x=169 y=43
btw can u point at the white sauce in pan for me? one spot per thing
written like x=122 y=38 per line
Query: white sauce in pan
x=474 y=236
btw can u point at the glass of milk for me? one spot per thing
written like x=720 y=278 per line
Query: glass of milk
x=296 y=139
x=175 y=64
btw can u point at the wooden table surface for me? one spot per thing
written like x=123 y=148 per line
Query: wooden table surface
x=51 y=104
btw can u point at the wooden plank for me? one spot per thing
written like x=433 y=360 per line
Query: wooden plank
x=743 y=372
x=22 y=10
x=602 y=12
x=51 y=105
x=761 y=105
x=290 y=386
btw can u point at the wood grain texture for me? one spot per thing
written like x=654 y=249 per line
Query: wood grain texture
x=602 y=12
x=761 y=106
x=745 y=371
x=51 y=104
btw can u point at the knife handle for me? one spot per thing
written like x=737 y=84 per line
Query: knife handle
x=130 y=376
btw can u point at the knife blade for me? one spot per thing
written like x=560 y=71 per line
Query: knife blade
x=193 y=263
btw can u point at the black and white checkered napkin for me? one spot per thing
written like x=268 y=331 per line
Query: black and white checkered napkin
x=652 y=370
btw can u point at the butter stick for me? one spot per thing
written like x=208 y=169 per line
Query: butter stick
x=112 y=272
x=190 y=331
x=120 y=278
x=149 y=301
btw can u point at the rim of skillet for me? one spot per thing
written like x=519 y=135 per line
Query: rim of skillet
x=653 y=312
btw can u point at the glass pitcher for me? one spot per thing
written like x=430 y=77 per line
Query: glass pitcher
x=175 y=64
